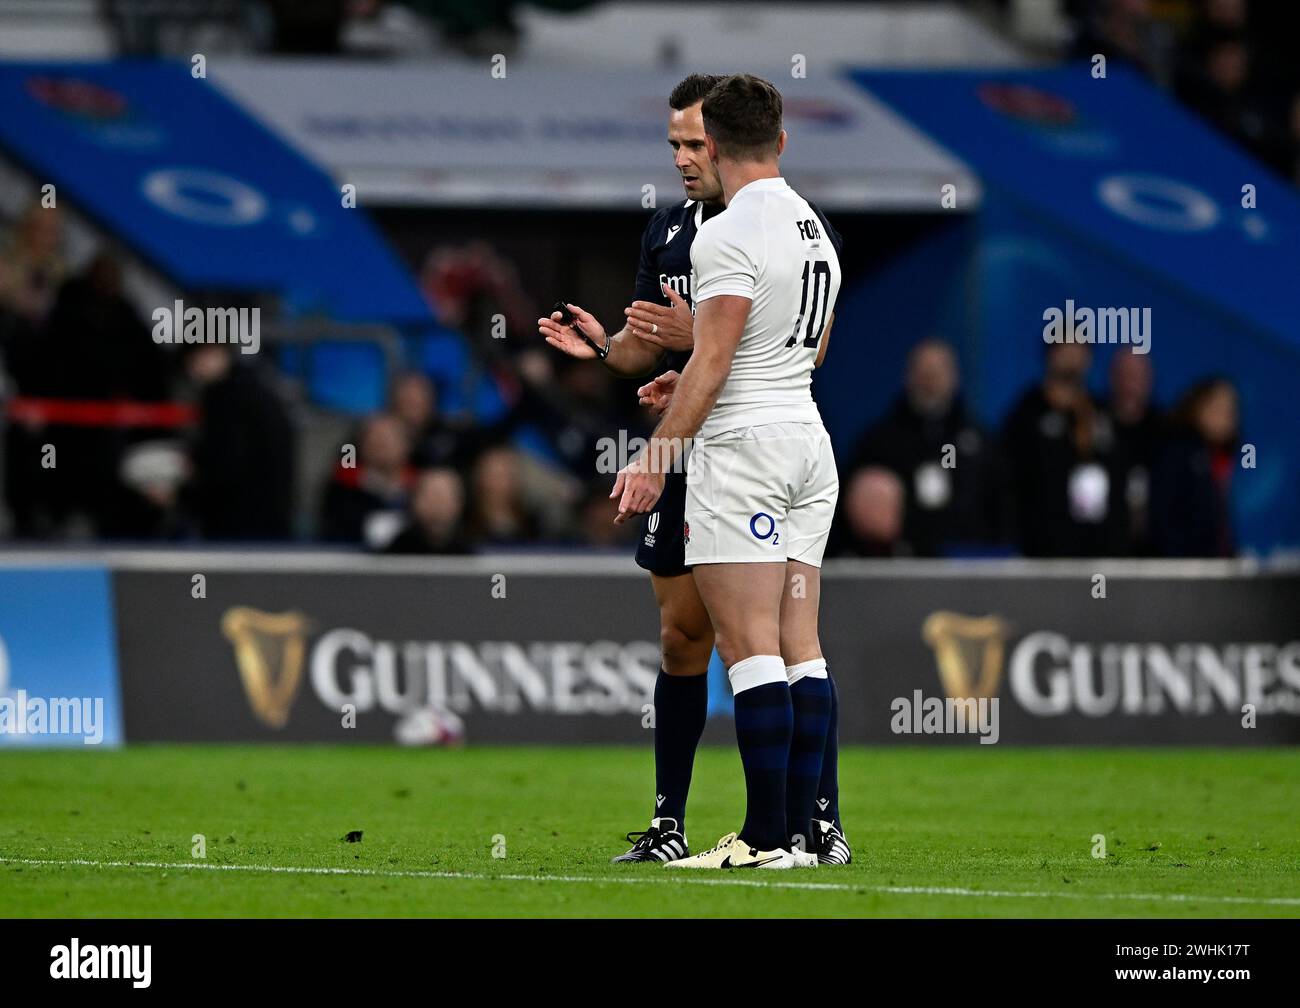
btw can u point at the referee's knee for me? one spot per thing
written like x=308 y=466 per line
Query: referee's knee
x=686 y=650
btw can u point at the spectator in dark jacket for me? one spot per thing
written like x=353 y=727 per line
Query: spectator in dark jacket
x=93 y=346
x=1191 y=489
x=243 y=452
x=1066 y=468
x=434 y=442
x=365 y=501
x=436 y=514
x=1138 y=433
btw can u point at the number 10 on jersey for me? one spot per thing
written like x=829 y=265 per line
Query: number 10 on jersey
x=819 y=273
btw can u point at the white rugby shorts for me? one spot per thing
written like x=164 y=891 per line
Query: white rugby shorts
x=761 y=494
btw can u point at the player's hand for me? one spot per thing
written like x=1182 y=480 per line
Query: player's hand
x=658 y=393
x=671 y=328
x=563 y=337
x=637 y=489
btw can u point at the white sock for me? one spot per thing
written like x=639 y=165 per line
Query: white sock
x=758 y=670
x=815 y=669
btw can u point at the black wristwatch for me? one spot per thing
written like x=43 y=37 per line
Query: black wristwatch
x=601 y=352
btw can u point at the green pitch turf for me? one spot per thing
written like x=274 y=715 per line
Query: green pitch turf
x=974 y=832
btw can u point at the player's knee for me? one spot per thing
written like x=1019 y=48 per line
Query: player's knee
x=800 y=647
x=686 y=649
x=739 y=646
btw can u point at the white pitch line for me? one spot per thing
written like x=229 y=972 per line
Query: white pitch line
x=643 y=880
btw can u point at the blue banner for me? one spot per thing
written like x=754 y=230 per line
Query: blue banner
x=1128 y=171
x=199 y=188
x=58 y=659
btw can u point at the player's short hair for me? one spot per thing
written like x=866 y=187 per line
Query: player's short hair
x=692 y=90
x=743 y=115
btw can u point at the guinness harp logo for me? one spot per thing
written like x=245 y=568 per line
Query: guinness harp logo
x=269 y=650
x=968 y=651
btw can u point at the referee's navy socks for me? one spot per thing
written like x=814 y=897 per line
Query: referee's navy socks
x=810 y=697
x=828 y=792
x=681 y=707
x=764 y=721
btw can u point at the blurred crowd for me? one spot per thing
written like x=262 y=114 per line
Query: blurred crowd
x=221 y=458
x=109 y=435
x=421 y=484
x=72 y=336
x=1069 y=474
x=1232 y=61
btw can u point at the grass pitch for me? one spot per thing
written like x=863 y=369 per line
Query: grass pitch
x=977 y=832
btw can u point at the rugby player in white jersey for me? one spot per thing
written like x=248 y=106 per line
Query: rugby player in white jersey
x=658 y=334
x=763 y=485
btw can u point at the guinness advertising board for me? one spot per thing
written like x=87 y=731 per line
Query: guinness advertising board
x=558 y=654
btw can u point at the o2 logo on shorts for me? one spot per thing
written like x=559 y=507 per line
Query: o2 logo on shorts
x=763 y=526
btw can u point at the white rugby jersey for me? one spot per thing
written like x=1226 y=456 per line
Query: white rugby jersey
x=771 y=246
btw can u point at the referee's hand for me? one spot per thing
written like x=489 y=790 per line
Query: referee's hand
x=563 y=337
x=669 y=327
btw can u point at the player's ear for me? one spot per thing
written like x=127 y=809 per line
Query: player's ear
x=780 y=143
x=711 y=146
